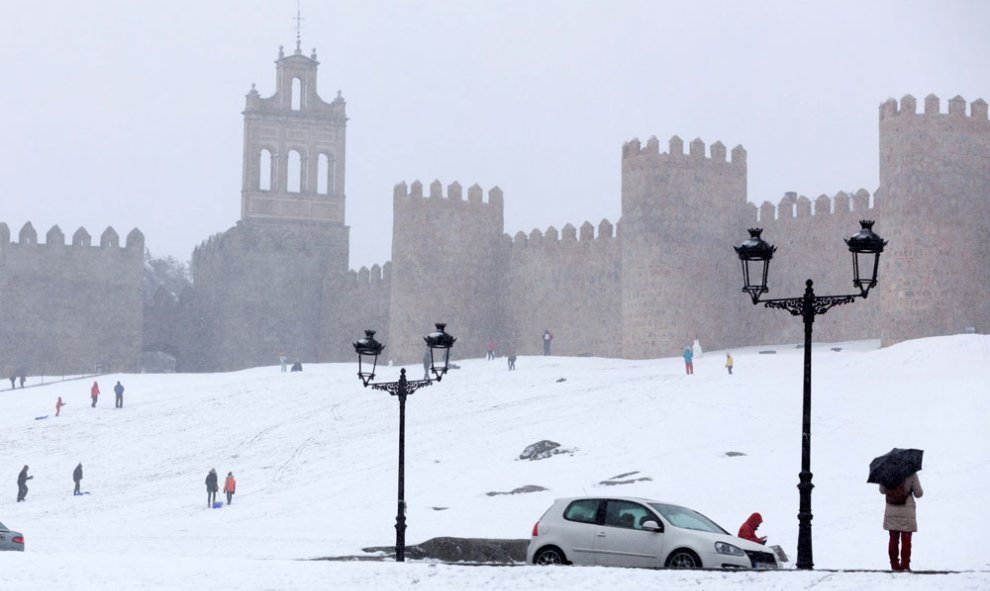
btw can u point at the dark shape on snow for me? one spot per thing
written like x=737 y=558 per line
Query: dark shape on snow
x=733 y=454
x=614 y=482
x=452 y=550
x=768 y=352
x=559 y=380
x=518 y=491
x=893 y=467
x=624 y=474
x=539 y=450
x=439 y=508
x=836 y=349
x=41 y=417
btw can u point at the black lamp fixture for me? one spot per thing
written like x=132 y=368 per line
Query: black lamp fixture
x=755 y=255
x=368 y=350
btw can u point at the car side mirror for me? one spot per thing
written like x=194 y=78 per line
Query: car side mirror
x=652 y=526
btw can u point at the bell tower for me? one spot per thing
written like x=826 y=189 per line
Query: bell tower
x=294 y=148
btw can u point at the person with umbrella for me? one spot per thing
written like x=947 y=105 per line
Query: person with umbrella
x=897 y=474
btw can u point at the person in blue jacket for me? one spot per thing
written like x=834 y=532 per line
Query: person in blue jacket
x=688 y=360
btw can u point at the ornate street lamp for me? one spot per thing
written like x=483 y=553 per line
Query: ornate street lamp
x=755 y=255
x=368 y=350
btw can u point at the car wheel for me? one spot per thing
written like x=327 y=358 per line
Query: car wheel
x=683 y=559
x=549 y=555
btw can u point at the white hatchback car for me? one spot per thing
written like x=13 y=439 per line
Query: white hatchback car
x=634 y=532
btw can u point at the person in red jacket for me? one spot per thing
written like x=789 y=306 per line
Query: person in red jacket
x=94 y=393
x=58 y=406
x=747 y=531
x=229 y=486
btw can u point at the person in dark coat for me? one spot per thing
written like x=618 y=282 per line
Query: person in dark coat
x=900 y=520
x=119 y=391
x=77 y=478
x=22 y=489
x=297 y=366
x=211 y=487
x=747 y=530
x=547 y=337
x=512 y=361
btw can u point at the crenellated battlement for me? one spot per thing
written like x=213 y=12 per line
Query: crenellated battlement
x=796 y=207
x=567 y=236
x=454 y=195
x=377 y=276
x=55 y=237
x=932 y=107
x=696 y=151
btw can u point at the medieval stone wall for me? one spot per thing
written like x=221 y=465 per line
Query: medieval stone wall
x=568 y=284
x=352 y=303
x=73 y=308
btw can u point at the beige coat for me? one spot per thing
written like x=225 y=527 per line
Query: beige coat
x=902 y=517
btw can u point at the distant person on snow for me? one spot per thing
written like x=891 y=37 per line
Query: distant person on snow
x=211 y=487
x=58 y=405
x=283 y=361
x=512 y=361
x=688 y=361
x=23 y=377
x=491 y=348
x=297 y=366
x=94 y=393
x=747 y=530
x=22 y=489
x=229 y=486
x=547 y=337
x=728 y=362
x=13 y=380
x=77 y=478
x=119 y=391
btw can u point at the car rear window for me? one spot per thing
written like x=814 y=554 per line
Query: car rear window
x=584 y=511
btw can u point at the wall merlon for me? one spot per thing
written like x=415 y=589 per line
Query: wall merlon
x=436 y=190
x=676 y=146
x=823 y=205
x=587 y=231
x=81 y=238
x=909 y=105
x=520 y=239
x=568 y=233
x=551 y=235
x=978 y=110
x=652 y=145
x=802 y=207
x=717 y=151
x=475 y=193
x=135 y=239
x=400 y=191
x=495 y=197
x=55 y=236
x=861 y=201
x=697 y=148
x=455 y=192
x=888 y=108
x=109 y=238
x=739 y=155
x=631 y=148
x=4 y=234
x=605 y=229
x=416 y=189
x=768 y=212
x=535 y=237
x=932 y=105
x=957 y=106
x=28 y=234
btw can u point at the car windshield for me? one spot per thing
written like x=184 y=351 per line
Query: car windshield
x=687 y=518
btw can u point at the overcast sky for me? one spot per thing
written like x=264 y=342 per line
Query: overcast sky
x=128 y=113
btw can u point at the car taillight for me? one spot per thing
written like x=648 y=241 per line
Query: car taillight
x=17 y=539
x=536 y=529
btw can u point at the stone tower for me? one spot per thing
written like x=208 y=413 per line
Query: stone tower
x=935 y=183
x=445 y=268
x=678 y=212
x=259 y=287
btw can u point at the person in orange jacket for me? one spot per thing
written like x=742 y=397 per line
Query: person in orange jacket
x=58 y=405
x=229 y=486
x=94 y=393
x=747 y=530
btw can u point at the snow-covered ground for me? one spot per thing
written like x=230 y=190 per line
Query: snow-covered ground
x=315 y=459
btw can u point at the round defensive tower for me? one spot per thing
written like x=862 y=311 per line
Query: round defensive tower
x=679 y=275
x=444 y=268
x=935 y=183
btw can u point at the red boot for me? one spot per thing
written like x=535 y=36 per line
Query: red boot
x=892 y=550
x=906 y=551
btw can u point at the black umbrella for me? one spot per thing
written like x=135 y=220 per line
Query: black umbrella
x=893 y=467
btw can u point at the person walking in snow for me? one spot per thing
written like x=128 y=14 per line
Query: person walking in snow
x=211 y=487
x=491 y=348
x=119 y=391
x=747 y=530
x=229 y=486
x=728 y=362
x=688 y=361
x=77 y=478
x=547 y=337
x=512 y=361
x=283 y=360
x=58 y=405
x=900 y=520
x=94 y=393
x=22 y=489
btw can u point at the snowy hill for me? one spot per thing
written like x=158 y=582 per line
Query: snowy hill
x=315 y=459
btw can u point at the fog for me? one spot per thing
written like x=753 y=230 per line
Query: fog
x=128 y=114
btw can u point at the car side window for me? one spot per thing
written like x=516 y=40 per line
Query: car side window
x=627 y=514
x=584 y=511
